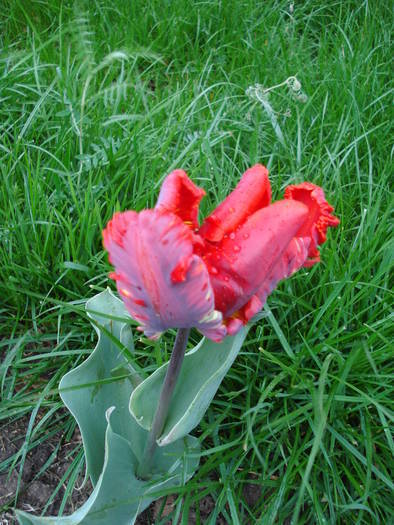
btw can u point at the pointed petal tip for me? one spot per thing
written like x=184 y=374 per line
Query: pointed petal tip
x=252 y=193
x=179 y=195
x=215 y=334
x=258 y=169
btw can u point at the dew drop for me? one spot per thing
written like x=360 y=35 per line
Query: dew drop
x=232 y=235
x=226 y=278
x=245 y=235
x=214 y=270
x=236 y=248
x=231 y=210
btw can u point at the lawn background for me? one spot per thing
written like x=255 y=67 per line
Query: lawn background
x=99 y=101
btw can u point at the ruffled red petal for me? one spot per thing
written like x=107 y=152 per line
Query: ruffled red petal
x=179 y=195
x=320 y=216
x=117 y=227
x=162 y=282
x=252 y=193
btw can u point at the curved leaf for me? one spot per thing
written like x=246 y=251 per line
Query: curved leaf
x=97 y=393
x=202 y=371
x=103 y=380
x=119 y=496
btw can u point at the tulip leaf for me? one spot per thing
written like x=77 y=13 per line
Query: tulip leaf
x=202 y=371
x=97 y=393
x=103 y=380
x=119 y=496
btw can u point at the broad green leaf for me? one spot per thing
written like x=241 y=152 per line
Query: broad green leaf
x=119 y=496
x=91 y=388
x=202 y=371
x=97 y=393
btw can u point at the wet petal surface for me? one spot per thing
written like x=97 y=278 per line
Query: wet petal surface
x=248 y=255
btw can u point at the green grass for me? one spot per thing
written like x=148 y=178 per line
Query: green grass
x=98 y=103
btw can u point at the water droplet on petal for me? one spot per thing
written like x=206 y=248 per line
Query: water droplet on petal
x=236 y=248
x=232 y=235
x=245 y=235
x=214 y=270
x=226 y=278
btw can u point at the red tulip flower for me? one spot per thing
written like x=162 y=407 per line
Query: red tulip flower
x=173 y=273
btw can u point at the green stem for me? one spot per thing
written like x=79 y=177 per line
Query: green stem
x=174 y=367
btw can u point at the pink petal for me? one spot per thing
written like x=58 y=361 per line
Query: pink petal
x=161 y=281
x=179 y=195
x=252 y=193
x=234 y=326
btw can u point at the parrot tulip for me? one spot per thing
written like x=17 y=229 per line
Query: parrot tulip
x=173 y=273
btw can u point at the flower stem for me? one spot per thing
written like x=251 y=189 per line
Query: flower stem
x=174 y=367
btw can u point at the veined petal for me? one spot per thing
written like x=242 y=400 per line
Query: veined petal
x=320 y=216
x=252 y=193
x=179 y=195
x=163 y=284
x=249 y=255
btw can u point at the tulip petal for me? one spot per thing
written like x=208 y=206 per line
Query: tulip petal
x=320 y=216
x=302 y=250
x=292 y=259
x=252 y=193
x=249 y=255
x=179 y=195
x=163 y=284
x=252 y=307
x=234 y=326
